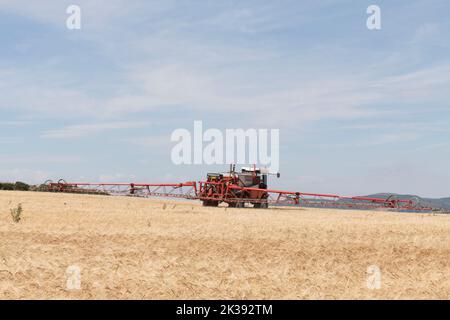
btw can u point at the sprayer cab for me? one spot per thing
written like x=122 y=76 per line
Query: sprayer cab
x=237 y=188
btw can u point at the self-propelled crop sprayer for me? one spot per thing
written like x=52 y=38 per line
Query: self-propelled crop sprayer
x=247 y=188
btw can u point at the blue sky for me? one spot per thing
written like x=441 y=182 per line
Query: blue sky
x=359 y=111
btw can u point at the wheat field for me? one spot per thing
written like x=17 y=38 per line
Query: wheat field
x=132 y=248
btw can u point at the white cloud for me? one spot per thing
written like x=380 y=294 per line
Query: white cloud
x=26 y=91
x=10 y=140
x=154 y=143
x=222 y=91
x=434 y=146
x=24 y=175
x=83 y=130
x=381 y=139
x=207 y=76
x=436 y=126
x=117 y=177
x=390 y=138
x=35 y=159
x=14 y=123
x=427 y=32
x=421 y=85
x=199 y=89
x=95 y=14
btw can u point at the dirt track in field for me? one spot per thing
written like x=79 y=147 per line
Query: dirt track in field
x=130 y=248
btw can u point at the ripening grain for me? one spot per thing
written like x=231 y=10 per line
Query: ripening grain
x=130 y=248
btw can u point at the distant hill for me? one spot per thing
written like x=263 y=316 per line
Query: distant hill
x=443 y=203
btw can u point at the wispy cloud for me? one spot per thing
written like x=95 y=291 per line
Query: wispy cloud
x=426 y=33
x=25 y=175
x=27 y=159
x=117 y=177
x=401 y=124
x=10 y=140
x=14 y=123
x=156 y=143
x=375 y=140
x=83 y=130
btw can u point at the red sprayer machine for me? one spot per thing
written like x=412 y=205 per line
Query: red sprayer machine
x=236 y=189
x=247 y=188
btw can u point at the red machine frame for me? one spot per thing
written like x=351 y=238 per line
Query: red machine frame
x=213 y=193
